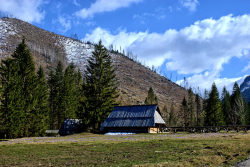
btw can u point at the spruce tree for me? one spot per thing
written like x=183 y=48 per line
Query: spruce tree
x=52 y=96
x=27 y=88
x=191 y=119
x=172 y=116
x=248 y=114
x=214 y=115
x=100 y=87
x=151 y=98
x=225 y=105
x=245 y=112
x=236 y=93
x=41 y=120
x=70 y=96
x=165 y=116
x=205 y=106
x=22 y=56
x=78 y=83
x=184 y=112
x=198 y=109
x=12 y=104
x=237 y=104
x=58 y=95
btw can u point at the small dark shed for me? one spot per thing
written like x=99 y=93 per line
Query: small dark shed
x=69 y=126
x=137 y=118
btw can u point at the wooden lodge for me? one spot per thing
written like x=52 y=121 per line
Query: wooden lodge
x=137 y=119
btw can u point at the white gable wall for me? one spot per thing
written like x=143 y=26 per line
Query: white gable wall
x=158 y=118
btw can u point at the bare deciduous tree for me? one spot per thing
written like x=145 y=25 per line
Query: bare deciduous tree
x=111 y=47
x=238 y=112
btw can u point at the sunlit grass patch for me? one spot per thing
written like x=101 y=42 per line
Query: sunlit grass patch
x=166 y=149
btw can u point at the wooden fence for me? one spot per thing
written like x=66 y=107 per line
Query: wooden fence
x=206 y=129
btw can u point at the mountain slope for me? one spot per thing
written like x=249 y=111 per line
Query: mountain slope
x=245 y=88
x=48 y=49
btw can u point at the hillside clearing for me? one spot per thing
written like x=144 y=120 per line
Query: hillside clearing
x=167 y=149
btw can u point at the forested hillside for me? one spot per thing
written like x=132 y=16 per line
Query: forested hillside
x=48 y=49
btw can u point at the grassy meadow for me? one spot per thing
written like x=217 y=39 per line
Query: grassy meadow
x=165 y=149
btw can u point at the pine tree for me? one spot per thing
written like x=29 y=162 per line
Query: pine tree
x=151 y=98
x=100 y=88
x=225 y=105
x=214 y=115
x=191 y=119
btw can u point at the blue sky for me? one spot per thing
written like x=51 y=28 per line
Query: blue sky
x=204 y=41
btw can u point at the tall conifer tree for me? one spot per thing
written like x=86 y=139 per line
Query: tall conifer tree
x=100 y=88
x=248 y=114
x=184 y=112
x=166 y=115
x=245 y=111
x=52 y=95
x=22 y=56
x=12 y=104
x=198 y=109
x=237 y=104
x=58 y=95
x=42 y=110
x=225 y=105
x=191 y=120
x=22 y=77
x=70 y=95
x=214 y=115
x=151 y=98
x=172 y=116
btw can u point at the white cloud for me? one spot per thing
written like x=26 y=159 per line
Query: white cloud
x=103 y=6
x=247 y=67
x=190 y=4
x=90 y=23
x=202 y=47
x=159 y=14
x=76 y=3
x=205 y=45
x=204 y=81
x=56 y=7
x=27 y=10
x=170 y=8
x=65 y=23
x=122 y=39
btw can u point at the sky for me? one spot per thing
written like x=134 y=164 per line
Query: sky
x=203 y=41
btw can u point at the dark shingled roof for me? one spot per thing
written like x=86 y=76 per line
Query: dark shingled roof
x=133 y=116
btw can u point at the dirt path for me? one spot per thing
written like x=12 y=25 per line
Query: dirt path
x=245 y=163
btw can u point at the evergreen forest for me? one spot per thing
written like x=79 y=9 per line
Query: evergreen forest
x=32 y=103
x=212 y=110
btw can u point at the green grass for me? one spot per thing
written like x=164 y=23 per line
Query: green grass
x=222 y=149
